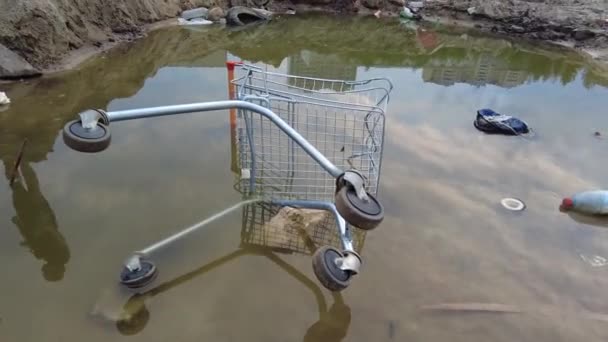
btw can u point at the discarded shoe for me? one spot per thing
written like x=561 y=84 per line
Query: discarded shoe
x=489 y=121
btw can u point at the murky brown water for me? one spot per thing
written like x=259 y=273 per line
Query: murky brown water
x=445 y=238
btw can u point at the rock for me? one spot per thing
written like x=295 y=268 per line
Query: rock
x=372 y=4
x=471 y=10
x=399 y=3
x=13 y=66
x=200 y=12
x=517 y=29
x=583 y=34
x=415 y=5
x=240 y=16
x=215 y=14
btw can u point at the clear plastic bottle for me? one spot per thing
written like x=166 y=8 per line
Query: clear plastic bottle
x=588 y=202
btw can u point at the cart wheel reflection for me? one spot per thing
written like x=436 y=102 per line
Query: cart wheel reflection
x=363 y=214
x=325 y=266
x=138 y=316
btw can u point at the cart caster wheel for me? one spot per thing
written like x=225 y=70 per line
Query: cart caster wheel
x=366 y=215
x=134 y=279
x=84 y=140
x=327 y=270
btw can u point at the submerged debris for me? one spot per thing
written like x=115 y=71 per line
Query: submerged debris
x=473 y=307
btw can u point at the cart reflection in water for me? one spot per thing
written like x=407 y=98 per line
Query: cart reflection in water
x=308 y=158
x=259 y=238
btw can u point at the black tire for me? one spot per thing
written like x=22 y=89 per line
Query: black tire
x=140 y=278
x=363 y=215
x=326 y=270
x=73 y=138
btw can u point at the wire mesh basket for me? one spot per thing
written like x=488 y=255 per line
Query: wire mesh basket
x=344 y=120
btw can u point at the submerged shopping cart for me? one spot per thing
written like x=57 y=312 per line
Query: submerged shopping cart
x=298 y=142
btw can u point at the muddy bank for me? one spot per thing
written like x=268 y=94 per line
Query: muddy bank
x=575 y=23
x=42 y=33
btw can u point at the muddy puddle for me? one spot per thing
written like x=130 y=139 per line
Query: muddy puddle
x=446 y=242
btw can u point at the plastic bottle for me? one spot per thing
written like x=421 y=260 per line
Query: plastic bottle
x=588 y=202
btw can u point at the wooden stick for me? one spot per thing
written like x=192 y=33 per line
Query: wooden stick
x=18 y=162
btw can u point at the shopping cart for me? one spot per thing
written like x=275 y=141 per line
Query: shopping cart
x=300 y=142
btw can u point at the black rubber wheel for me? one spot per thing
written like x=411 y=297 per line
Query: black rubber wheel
x=326 y=270
x=136 y=323
x=77 y=138
x=139 y=278
x=366 y=215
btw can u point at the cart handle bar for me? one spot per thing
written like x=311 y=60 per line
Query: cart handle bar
x=140 y=113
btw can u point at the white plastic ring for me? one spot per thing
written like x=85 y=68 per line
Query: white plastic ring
x=513 y=204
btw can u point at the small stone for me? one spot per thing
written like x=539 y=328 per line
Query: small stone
x=200 y=12
x=517 y=29
x=583 y=34
x=215 y=14
x=597 y=134
x=471 y=10
x=372 y=4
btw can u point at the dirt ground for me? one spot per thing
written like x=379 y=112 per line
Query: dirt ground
x=45 y=32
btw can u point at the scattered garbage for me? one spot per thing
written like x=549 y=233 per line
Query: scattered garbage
x=4 y=100
x=195 y=13
x=406 y=13
x=290 y=12
x=489 y=121
x=195 y=21
x=471 y=10
x=594 y=202
x=513 y=204
x=377 y=14
x=594 y=260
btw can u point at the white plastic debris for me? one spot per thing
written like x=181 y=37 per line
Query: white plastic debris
x=594 y=260
x=4 y=100
x=406 y=13
x=471 y=10
x=245 y=173
x=196 y=21
x=378 y=14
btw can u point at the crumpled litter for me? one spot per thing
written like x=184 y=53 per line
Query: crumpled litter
x=4 y=100
x=195 y=21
